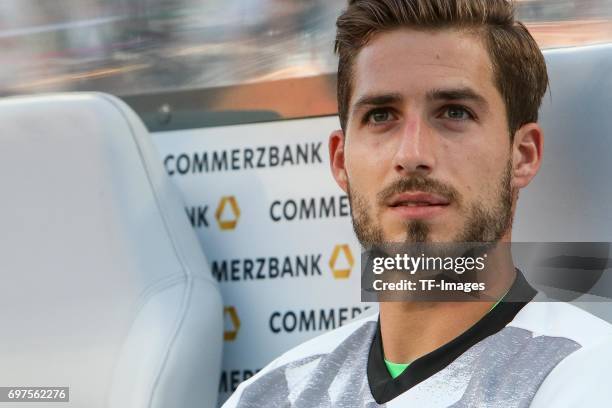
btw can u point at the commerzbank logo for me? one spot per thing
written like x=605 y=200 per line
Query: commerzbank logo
x=232 y=323
x=227 y=213
x=341 y=261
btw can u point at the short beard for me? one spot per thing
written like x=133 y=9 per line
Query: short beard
x=483 y=224
x=368 y=234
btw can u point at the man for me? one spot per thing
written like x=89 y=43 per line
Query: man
x=438 y=103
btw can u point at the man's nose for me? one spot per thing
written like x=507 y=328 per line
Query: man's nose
x=415 y=150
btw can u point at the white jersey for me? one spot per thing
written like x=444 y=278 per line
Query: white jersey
x=538 y=354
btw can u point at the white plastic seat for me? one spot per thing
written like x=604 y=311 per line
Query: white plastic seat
x=104 y=286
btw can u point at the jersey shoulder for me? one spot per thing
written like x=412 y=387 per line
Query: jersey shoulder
x=561 y=319
x=582 y=378
x=297 y=364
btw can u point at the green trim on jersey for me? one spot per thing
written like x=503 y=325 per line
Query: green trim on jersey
x=395 y=369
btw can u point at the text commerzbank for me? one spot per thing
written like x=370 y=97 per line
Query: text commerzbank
x=258 y=157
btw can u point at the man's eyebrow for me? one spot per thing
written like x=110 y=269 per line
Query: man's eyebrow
x=377 y=100
x=455 y=94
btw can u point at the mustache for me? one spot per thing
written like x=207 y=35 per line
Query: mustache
x=419 y=183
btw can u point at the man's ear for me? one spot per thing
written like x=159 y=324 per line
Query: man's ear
x=527 y=150
x=336 y=159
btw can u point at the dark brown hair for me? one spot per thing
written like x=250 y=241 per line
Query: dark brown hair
x=519 y=69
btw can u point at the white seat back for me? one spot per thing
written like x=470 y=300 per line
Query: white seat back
x=104 y=286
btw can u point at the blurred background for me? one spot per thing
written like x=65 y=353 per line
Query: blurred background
x=160 y=47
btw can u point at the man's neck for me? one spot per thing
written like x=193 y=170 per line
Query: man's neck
x=411 y=330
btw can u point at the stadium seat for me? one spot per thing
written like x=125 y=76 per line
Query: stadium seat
x=105 y=289
x=568 y=203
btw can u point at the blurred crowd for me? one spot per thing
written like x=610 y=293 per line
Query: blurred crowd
x=131 y=47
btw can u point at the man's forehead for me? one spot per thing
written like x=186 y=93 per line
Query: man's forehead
x=413 y=62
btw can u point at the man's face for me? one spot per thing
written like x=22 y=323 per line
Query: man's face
x=427 y=151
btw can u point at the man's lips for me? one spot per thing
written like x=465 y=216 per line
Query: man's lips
x=417 y=199
x=418 y=205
